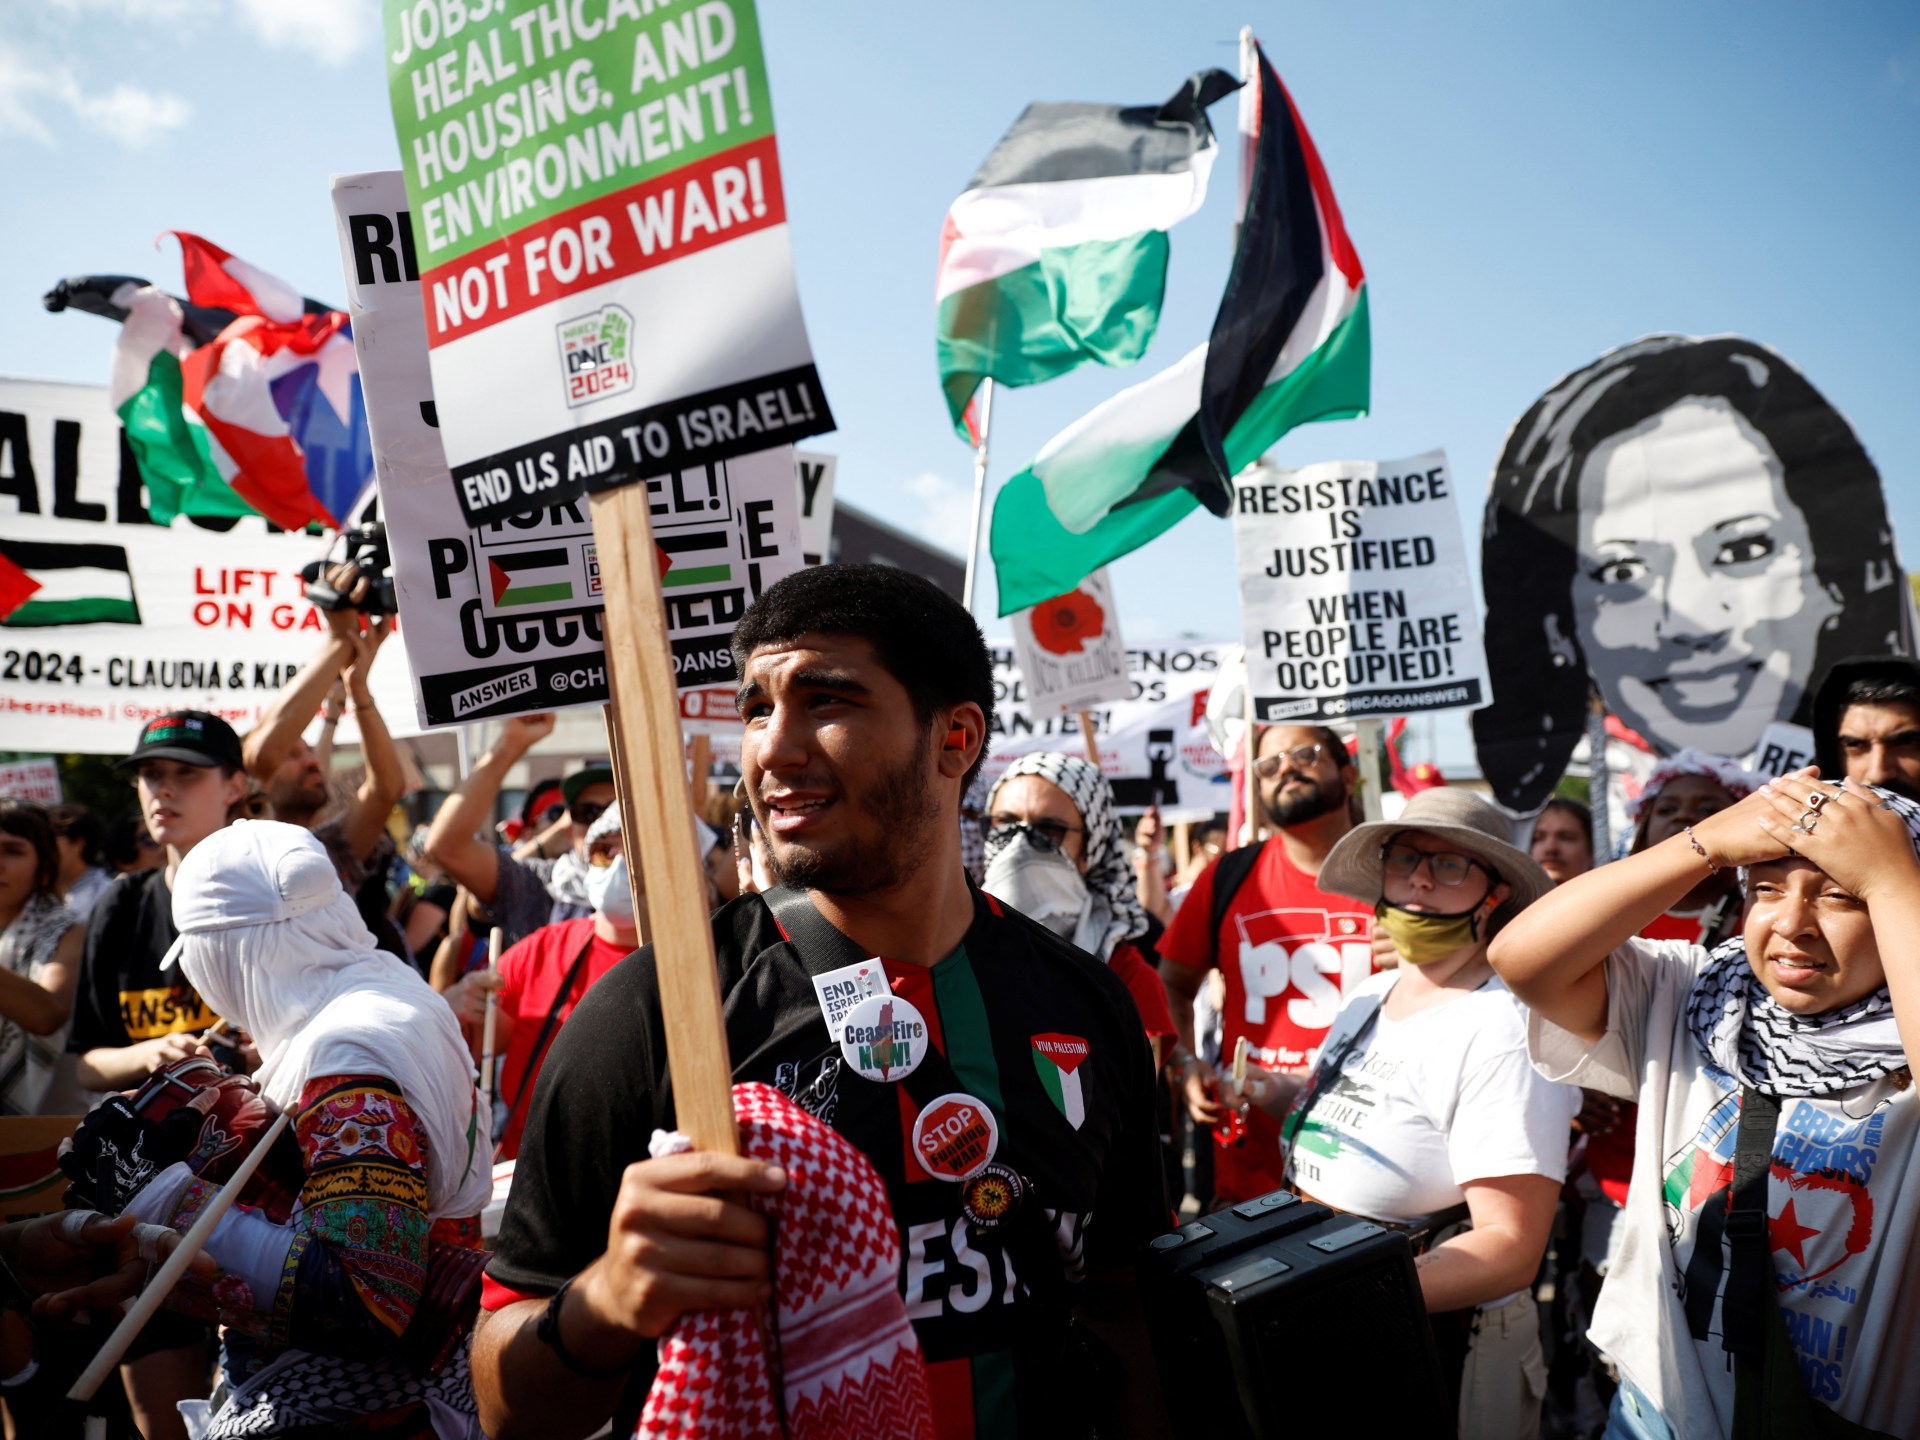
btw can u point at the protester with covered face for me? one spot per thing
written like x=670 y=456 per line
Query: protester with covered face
x=1056 y=853
x=293 y=773
x=1771 y=1208
x=995 y=1077
x=344 y=1309
x=543 y=977
x=524 y=892
x=1423 y=1112
x=1288 y=947
x=1866 y=723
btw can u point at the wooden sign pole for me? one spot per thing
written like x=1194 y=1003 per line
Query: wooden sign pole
x=699 y=767
x=1086 y=734
x=657 y=818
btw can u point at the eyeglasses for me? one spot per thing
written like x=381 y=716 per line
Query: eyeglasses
x=585 y=812
x=1301 y=757
x=1447 y=867
x=1050 y=833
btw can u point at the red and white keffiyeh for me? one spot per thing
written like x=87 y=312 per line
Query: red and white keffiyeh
x=840 y=1349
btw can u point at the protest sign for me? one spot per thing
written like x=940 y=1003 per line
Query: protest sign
x=35 y=781
x=1354 y=591
x=814 y=473
x=505 y=617
x=1069 y=649
x=130 y=619
x=585 y=183
x=1689 y=529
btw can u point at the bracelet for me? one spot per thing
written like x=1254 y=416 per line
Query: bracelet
x=547 y=1331
x=1701 y=851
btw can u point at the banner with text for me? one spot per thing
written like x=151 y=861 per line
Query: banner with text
x=602 y=241
x=814 y=472
x=110 y=620
x=504 y=617
x=1354 y=591
x=1070 y=651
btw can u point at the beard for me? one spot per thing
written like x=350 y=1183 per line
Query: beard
x=1308 y=800
x=905 y=809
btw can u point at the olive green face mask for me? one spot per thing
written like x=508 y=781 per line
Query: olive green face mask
x=1421 y=938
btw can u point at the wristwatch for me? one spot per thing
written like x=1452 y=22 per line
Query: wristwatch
x=547 y=1332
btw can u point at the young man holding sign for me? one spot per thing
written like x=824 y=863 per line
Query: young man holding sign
x=1287 y=949
x=997 y=1078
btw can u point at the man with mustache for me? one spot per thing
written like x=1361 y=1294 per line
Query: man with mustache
x=997 y=1078
x=1287 y=949
x=1866 y=723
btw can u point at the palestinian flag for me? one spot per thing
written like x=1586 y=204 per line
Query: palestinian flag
x=1056 y=252
x=531 y=577
x=46 y=582
x=1057 y=1059
x=174 y=451
x=703 y=558
x=1289 y=344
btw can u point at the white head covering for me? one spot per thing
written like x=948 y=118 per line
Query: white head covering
x=272 y=942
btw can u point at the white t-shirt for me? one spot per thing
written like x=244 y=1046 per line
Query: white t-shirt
x=1840 y=1205
x=1428 y=1104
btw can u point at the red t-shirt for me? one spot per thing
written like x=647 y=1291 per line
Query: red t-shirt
x=531 y=975
x=1130 y=967
x=1289 y=953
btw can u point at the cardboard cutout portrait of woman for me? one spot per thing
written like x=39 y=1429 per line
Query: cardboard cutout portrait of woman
x=1689 y=528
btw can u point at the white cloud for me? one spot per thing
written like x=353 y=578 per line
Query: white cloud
x=332 y=31
x=946 y=507
x=131 y=114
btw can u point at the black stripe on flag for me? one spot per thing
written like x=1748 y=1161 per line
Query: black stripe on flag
x=1276 y=265
x=700 y=540
x=60 y=555
x=1055 y=141
x=529 y=560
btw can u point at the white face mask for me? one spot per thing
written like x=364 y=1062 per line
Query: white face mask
x=1042 y=884
x=609 y=891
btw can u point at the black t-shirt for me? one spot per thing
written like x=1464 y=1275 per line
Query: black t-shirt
x=124 y=996
x=991 y=1306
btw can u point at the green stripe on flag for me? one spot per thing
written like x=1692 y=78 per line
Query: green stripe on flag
x=1095 y=301
x=92 y=610
x=1049 y=1074
x=1035 y=557
x=174 y=454
x=535 y=594
x=699 y=575
x=963 y=1021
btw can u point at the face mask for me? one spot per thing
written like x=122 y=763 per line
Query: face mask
x=1042 y=884
x=609 y=892
x=1422 y=939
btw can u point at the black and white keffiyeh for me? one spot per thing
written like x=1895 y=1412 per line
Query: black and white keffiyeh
x=1741 y=1029
x=1109 y=878
x=27 y=1062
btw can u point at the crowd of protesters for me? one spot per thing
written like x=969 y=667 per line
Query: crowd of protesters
x=1540 y=1063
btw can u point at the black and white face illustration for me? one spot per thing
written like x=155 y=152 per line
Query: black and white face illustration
x=1694 y=591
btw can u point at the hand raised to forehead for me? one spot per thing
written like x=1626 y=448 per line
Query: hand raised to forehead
x=1847 y=831
x=1737 y=835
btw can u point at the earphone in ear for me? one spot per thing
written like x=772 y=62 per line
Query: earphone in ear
x=957 y=738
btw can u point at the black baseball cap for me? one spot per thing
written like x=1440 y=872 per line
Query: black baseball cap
x=594 y=772
x=191 y=736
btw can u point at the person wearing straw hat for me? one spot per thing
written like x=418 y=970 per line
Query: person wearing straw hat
x=1423 y=1109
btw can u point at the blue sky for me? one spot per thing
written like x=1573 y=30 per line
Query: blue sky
x=1527 y=185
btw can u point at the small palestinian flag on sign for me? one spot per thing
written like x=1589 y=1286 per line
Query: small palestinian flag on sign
x=1057 y=1059
x=531 y=577
x=45 y=582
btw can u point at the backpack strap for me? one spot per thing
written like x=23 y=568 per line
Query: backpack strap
x=1230 y=872
x=1748 y=1304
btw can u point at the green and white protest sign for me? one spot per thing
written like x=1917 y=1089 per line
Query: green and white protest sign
x=587 y=180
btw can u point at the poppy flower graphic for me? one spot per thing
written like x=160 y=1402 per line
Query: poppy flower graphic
x=1062 y=624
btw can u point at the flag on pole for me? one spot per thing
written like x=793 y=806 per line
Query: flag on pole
x=1289 y=344
x=1056 y=252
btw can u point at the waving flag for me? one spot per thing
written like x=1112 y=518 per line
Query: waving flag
x=1290 y=344
x=1056 y=252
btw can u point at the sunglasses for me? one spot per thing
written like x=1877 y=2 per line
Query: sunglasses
x=585 y=812
x=1447 y=867
x=1052 y=834
x=1301 y=757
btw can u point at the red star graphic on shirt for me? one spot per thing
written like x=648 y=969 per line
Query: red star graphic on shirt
x=1787 y=1233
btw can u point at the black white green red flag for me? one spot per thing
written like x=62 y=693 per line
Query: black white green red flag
x=1056 y=252
x=1289 y=344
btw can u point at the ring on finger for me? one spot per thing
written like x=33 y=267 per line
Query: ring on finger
x=1808 y=820
x=1817 y=799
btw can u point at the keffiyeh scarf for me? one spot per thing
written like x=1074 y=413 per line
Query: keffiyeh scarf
x=1109 y=878
x=27 y=1061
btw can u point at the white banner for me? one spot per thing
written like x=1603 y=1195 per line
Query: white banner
x=1069 y=649
x=35 y=781
x=1355 y=595
x=130 y=619
x=504 y=618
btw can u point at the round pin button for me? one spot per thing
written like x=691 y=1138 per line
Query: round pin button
x=992 y=1196
x=955 y=1137
x=884 y=1037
